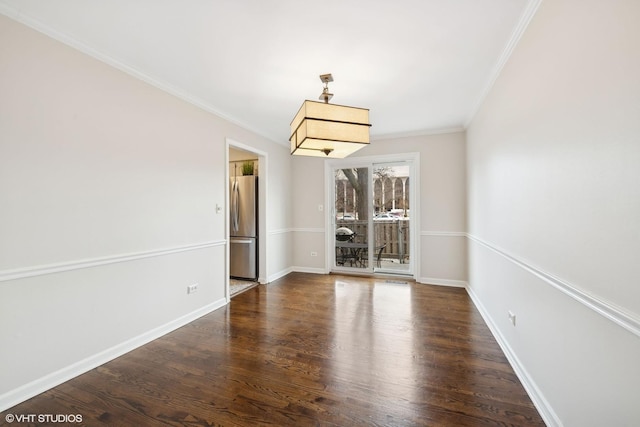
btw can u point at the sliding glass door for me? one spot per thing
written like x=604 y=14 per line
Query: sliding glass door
x=352 y=215
x=392 y=217
x=371 y=216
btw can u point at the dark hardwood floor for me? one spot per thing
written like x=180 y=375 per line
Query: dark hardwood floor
x=310 y=350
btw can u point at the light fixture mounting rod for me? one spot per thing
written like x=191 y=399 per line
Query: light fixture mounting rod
x=325 y=95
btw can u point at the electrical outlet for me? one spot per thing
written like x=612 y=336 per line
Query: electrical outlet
x=192 y=288
x=512 y=318
x=314 y=253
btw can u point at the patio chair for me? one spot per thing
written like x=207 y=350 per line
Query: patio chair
x=379 y=257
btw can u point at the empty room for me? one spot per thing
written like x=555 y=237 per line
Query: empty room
x=348 y=213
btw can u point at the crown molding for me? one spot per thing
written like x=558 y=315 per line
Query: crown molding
x=423 y=132
x=527 y=15
x=19 y=16
x=74 y=43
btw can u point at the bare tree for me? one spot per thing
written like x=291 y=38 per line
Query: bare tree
x=383 y=172
x=359 y=180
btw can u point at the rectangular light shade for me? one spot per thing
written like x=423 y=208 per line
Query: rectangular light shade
x=319 y=127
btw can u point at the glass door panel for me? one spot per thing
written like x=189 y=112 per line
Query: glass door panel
x=352 y=210
x=391 y=218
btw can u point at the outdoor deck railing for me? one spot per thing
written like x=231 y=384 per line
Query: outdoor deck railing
x=392 y=233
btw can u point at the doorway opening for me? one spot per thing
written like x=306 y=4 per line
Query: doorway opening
x=245 y=213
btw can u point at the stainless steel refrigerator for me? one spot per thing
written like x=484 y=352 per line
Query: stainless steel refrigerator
x=244 y=227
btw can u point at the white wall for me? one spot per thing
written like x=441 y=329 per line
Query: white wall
x=308 y=221
x=442 y=198
x=442 y=201
x=554 y=209
x=108 y=188
x=279 y=214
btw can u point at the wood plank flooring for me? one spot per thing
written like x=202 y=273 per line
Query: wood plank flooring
x=310 y=350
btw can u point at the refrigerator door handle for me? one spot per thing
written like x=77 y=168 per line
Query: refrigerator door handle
x=235 y=214
x=244 y=241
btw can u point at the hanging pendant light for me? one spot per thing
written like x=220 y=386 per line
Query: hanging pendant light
x=328 y=130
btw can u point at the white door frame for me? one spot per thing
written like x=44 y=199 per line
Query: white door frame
x=263 y=165
x=414 y=202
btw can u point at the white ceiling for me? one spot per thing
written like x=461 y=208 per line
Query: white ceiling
x=420 y=66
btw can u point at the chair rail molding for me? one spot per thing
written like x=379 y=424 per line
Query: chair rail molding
x=41 y=270
x=444 y=233
x=610 y=311
x=308 y=230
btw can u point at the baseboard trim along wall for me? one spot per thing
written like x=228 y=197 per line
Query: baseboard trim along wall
x=542 y=405
x=94 y=262
x=54 y=379
x=279 y=274
x=442 y=282
x=311 y=270
x=604 y=308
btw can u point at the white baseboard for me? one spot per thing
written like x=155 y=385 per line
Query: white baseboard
x=542 y=405
x=279 y=274
x=442 y=282
x=29 y=390
x=311 y=270
x=621 y=317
